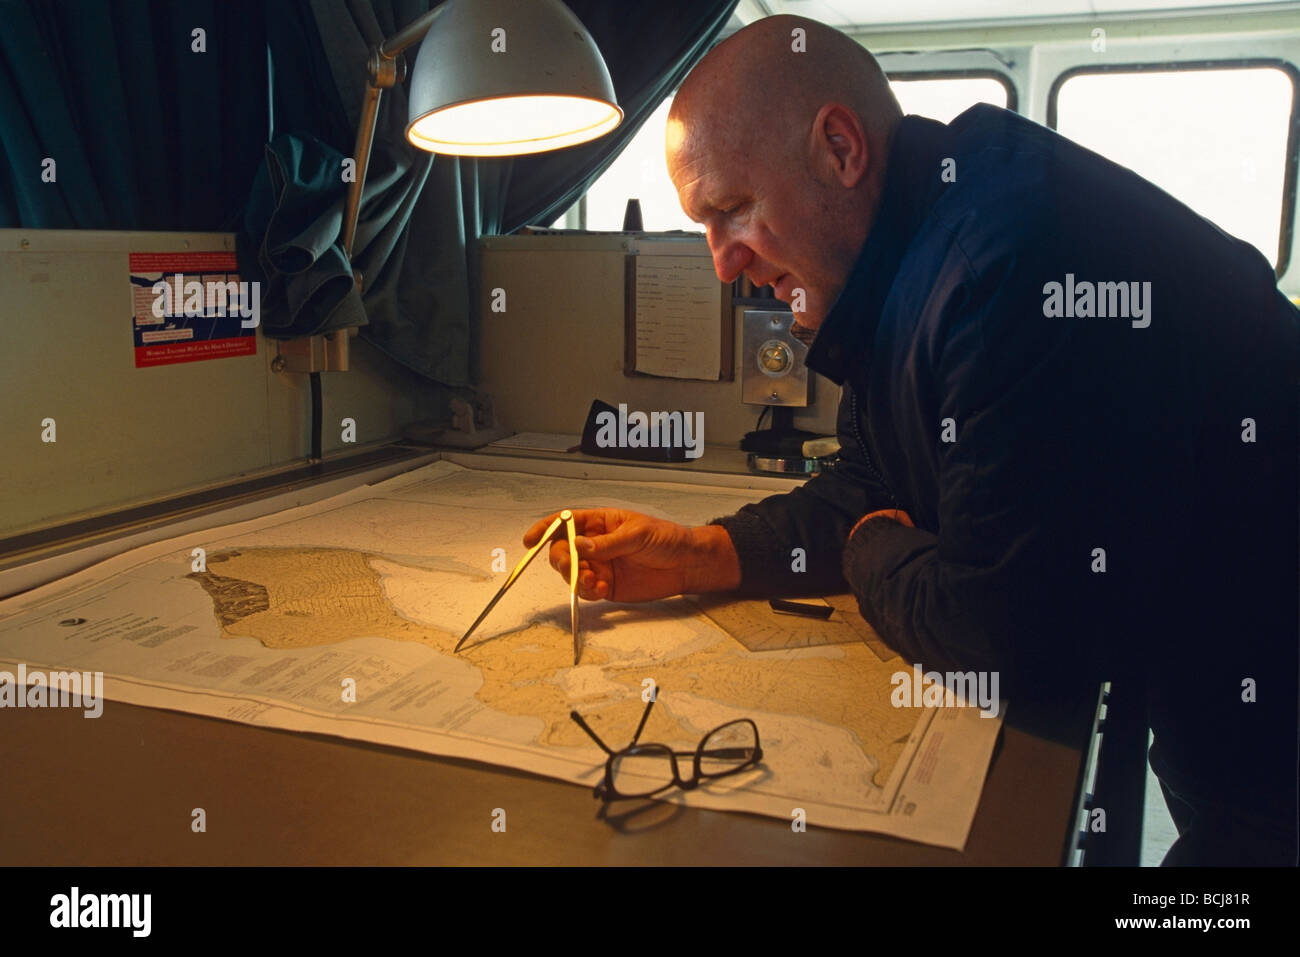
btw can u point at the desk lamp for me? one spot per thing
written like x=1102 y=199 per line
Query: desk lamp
x=492 y=78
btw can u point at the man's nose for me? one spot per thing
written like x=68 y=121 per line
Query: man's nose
x=729 y=256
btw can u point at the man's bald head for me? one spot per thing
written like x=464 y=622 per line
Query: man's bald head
x=777 y=143
x=766 y=79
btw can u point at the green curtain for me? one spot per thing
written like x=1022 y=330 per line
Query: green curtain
x=114 y=114
x=421 y=214
x=148 y=133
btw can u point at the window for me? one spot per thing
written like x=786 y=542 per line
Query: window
x=1213 y=137
x=943 y=98
x=639 y=173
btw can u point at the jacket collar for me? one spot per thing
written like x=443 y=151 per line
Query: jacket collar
x=912 y=184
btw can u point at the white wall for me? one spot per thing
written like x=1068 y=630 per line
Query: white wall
x=128 y=435
x=560 y=342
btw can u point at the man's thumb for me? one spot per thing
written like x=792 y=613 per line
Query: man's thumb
x=622 y=541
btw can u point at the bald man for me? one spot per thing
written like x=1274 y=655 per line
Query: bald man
x=1067 y=417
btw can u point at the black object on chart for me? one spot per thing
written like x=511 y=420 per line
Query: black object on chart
x=800 y=608
x=620 y=450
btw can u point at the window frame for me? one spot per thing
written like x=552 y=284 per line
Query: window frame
x=576 y=218
x=1285 y=236
x=964 y=73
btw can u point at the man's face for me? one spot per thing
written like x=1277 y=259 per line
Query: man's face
x=766 y=217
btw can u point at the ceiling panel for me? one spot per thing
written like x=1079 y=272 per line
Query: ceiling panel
x=845 y=13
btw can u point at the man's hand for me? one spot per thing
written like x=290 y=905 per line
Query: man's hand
x=897 y=514
x=627 y=556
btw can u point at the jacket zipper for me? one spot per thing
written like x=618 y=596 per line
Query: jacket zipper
x=866 y=454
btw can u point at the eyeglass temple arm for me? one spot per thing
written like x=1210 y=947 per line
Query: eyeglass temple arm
x=639 y=728
x=591 y=734
x=646 y=714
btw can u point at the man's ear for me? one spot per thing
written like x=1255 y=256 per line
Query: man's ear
x=839 y=145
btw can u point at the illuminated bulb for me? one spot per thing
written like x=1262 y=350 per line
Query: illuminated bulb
x=508 y=125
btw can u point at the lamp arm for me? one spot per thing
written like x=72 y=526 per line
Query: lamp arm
x=361 y=154
x=410 y=34
x=386 y=69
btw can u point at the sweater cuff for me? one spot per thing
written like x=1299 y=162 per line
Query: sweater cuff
x=873 y=553
x=862 y=552
x=768 y=568
x=752 y=540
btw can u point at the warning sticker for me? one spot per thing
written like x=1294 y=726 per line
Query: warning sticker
x=191 y=306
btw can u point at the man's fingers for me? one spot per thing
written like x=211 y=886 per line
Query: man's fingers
x=558 y=555
x=624 y=540
x=603 y=535
x=585 y=520
x=537 y=528
x=594 y=581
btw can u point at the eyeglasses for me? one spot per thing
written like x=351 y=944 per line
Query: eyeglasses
x=643 y=770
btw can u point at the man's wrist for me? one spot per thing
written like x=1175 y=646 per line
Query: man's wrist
x=714 y=564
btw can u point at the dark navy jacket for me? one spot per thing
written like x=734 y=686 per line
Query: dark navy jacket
x=1120 y=497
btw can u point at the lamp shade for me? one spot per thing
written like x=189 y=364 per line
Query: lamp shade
x=502 y=77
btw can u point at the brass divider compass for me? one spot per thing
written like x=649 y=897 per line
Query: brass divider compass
x=565 y=524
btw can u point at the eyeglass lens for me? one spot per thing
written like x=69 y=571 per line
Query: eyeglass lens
x=648 y=768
